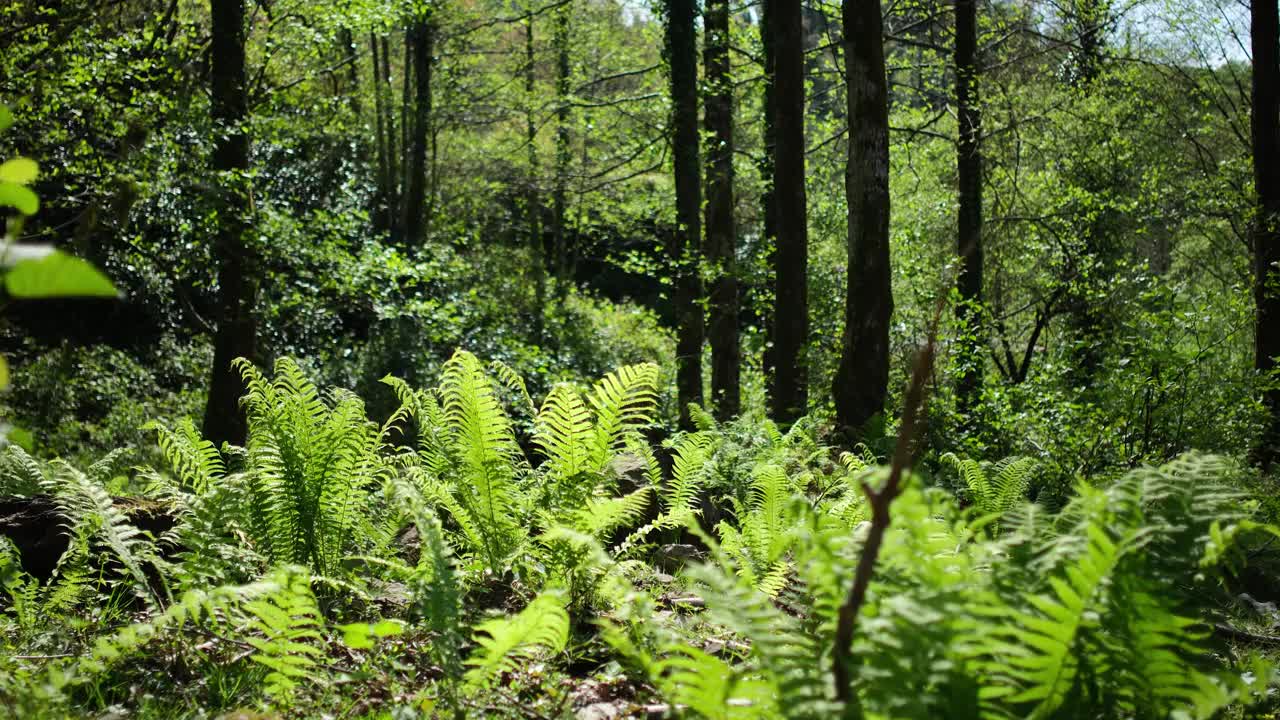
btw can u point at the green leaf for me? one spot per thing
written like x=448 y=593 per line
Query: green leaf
x=21 y=171
x=6 y=118
x=57 y=275
x=22 y=438
x=18 y=197
x=361 y=636
x=4 y=372
x=357 y=636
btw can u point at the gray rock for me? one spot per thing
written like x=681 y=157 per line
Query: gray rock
x=600 y=711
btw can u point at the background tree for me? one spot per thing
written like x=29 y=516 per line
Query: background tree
x=721 y=235
x=682 y=60
x=237 y=330
x=971 y=353
x=420 y=45
x=791 y=260
x=861 y=383
x=1265 y=127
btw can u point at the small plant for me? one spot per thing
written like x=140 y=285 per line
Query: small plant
x=994 y=489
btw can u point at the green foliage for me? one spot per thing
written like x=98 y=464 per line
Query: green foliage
x=542 y=627
x=1102 y=614
x=311 y=462
x=93 y=517
x=993 y=488
x=469 y=464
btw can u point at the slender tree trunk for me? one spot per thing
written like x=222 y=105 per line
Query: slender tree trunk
x=236 y=335
x=768 y=206
x=422 y=40
x=393 y=146
x=681 y=49
x=406 y=118
x=382 y=211
x=971 y=355
x=791 y=291
x=561 y=42
x=532 y=211
x=1265 y=128
x=862 y=381
x=721 y=239
x=347 y=47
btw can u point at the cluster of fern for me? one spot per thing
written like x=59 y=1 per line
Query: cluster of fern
x=1105 y=609
x=473 y=536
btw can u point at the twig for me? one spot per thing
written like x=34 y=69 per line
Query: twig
x=879 y=500
x=1231 y=633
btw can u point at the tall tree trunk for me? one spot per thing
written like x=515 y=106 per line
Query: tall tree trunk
x=681 y=49
x=768 y=206
x=349 y=53
x=236 y=335
x=393 y=145
x=972 y=343
x=721 y=240
x=791 y=285
x=533 y=213
x=561 y=42
x=862 y=381
x=382 y=211
x=422 y=39
x=1265 y=128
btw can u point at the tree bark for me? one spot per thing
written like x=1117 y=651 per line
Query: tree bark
x=1265 y=128
x=721 y=238
x=533 y=213
x=970 y=355
x=768 y=206
x=422 y=39
x=681 y=49
x=393 y=146
x=382 y=210
x=791 y=291
x=558 y=201
x=236 y=334
x=862 y=381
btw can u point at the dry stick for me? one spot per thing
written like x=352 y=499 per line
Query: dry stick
x=879 y=501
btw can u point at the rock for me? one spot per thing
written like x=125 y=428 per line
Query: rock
x=600 y=711
x=409 y=545
x=630 y=471
x=672 y=557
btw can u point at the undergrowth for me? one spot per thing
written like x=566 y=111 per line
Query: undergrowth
x=479 y=554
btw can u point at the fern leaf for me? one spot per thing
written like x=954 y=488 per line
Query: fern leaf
x=542 y=627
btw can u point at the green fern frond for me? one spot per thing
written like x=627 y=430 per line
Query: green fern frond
x=563 y=431
x=194 y=460
x=510 y=379
x=286 y=626
x=20 y=474
x=541 y=628
x=487 y=455
x=1038 y=647
x=90 y=510
x=623 y=400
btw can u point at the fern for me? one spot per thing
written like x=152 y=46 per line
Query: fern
x=90 y=511
x=484 y=480
x=286 y=626
x=20 y=474
x=542 y=627
x=994 y=489
x=623 y=400
x=311 y=463
x=196 y=462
